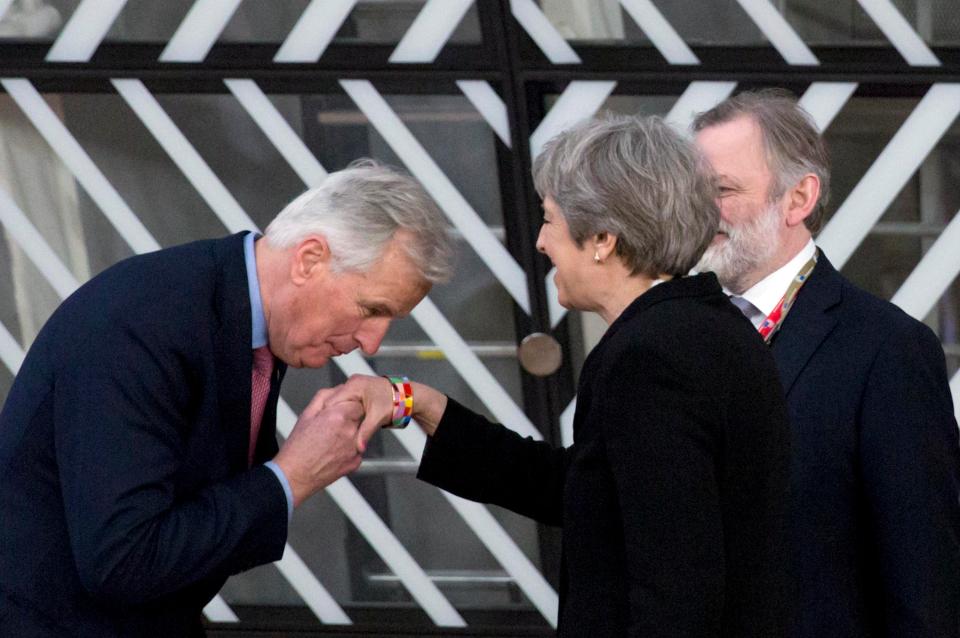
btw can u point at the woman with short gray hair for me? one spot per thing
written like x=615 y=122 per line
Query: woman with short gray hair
x=672 y=496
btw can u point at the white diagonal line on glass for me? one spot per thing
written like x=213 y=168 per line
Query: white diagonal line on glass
x=890 y=171
x=426 y=314
x=278 y=131
x=489 y=105
x=472 y=369
x=4 y=5
x=198 y=32
x=910 y=45
x=217 y=610
x=779 y=32
x=566 y=422
x=696 y=98
x=11 y=353
x=451 y=202
x=381 y=539
x=543 y=33
x=824 y=100
x=235 y=219
x=85 y=30
x=52 y=268
x=36 y=247
x=146 y=107
x=955 y=389
x=933 y=275
x=319 y=600
x=431 y=29
x=530 y=581
x=580 y=99
x=101 y=191
x=661 y=33
x=314 y=31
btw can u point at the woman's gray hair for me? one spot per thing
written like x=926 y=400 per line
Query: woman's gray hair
x=639 y=179
x=359 y=210
x=792 y=143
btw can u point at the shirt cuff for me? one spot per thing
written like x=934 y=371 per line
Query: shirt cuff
x=285 y=484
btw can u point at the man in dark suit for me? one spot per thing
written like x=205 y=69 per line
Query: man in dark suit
x=876 y=468
x=138 y=461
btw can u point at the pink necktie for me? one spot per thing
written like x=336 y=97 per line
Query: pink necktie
x=260 y=383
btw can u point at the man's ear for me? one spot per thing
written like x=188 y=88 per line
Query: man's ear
x=802 y=199
x=604 y=244
x=310 y=257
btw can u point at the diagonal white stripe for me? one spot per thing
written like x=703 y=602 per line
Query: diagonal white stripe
x=530 y=581
x=910 y=45
x=779 y=32
x=543 y=33
x=314 y=31
x=661 y=33
x=955 y=389
x=483 y=384
x=422 y=166
x=4 y=5
x=198 y=32
x=314 y=594
x=890 y=171
x=696 y=98
x=278 y=131
x=557 y=312
x=431 y=29
x=823 y=101
x=36 y=247
x=217 y=610
x=933 y=275
x=184 y=155
x=566 y=422
x=11 y=353
x=101 y=191
x=85 y=30
x=489 y=105
x=580 y=99
x=232 y=216
x=381 y=539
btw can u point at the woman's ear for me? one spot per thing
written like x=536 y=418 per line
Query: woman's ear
x=604 y=245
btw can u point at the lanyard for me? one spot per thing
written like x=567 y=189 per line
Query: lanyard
x=768 y=328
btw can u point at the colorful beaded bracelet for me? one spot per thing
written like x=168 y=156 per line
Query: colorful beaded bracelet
x=402 y=401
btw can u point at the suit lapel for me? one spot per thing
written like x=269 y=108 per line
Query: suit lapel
x=234 y=354
x=811 y=319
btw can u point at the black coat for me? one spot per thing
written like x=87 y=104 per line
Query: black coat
x=876 y=466
x=125 y=497
x=672 y=498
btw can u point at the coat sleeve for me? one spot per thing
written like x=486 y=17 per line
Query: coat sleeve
x=662 y=461
x=910 y=460
x=120 y=429
x=488 y=463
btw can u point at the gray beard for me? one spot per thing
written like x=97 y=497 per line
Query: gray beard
x=748 y=247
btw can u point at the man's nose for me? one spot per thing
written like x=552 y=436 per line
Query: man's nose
x=370 y=334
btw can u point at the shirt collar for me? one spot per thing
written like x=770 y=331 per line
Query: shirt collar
x=766 y=294
x=258 y=321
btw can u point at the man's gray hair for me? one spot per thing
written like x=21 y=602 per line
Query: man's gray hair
x=359 y=210
x=791 y=141
x=638 y=178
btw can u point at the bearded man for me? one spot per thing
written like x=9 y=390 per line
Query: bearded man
x=876 y=464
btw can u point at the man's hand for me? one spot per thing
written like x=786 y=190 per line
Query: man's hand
x=322 y=446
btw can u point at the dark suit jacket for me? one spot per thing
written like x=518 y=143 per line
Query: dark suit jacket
x=125 y=497
x=672 y=498
x=876 y=466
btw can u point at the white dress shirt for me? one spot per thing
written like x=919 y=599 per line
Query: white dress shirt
x=760 y=300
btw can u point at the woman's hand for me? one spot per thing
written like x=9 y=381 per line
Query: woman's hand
x=375 y=394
